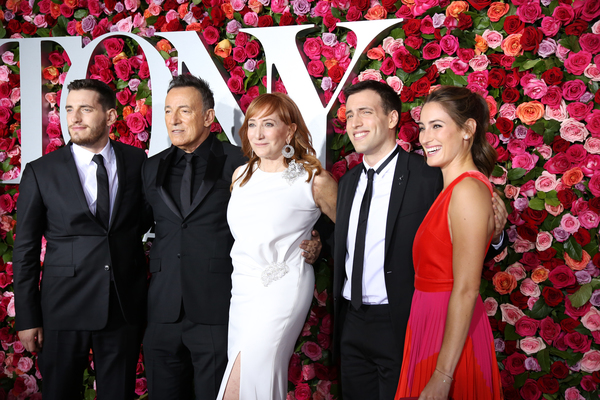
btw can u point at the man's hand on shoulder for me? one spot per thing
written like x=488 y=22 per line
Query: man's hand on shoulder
x=312 y=248
x=32 y=339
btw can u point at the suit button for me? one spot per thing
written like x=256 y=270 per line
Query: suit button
x=184 y=225
x=178 y=255
x=107 y=267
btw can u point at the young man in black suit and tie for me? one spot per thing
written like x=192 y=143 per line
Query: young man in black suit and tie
x=378 y=215
x=86 y=200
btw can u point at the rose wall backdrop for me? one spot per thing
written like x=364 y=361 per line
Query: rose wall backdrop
x=537 y=63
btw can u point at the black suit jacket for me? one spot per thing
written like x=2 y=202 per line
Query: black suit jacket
x=80 y=253
x=189 y=258
x=415 y=188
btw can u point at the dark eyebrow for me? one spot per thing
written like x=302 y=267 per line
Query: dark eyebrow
x=359 y=109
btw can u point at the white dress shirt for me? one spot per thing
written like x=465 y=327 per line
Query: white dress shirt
x=86 y=168
x=373 y=290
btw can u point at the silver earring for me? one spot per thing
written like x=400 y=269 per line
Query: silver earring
x=466 y=137
x=287 y=151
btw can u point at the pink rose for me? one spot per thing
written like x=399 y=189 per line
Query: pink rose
x=525 y=160
x=491 y=306
x=558 y=114
x=308 y=372
x=535 y=88
x=444 y=63
x=591 y=361
x=530 y=289
x=312 y=48
x=531 y=345
x=509 y=111
x=590 y=42
x=577 y=62
x=546 y=182
x=545 y=151
x=562 y=276
x=591 y=320
x=395 y=83
x=479 y=63
x=573 y=131
x=251 y=19
x=574 y=89
x=510 y=314
x=592 y=145
x=236 y=84
x=552 y=97
x=530 y=12
x=136 y=122
x=588 y=219
x=123 y=70
x=578 y=110
x=493 y=38
x=550 y=26
x=432 y=51
x=526 y=326
x=312 y=350
x=370 y=75
x=517 y=271
x=25 y=364
x=449 y=44
x=572 y=393
x=543 y=241
x=592 y=71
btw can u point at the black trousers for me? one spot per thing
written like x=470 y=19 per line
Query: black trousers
x=116 y=348
x=184 y=358
x=370 y=357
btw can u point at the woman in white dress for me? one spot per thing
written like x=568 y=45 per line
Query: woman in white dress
x=276 y=199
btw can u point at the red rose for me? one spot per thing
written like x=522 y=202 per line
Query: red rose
x=515 y=363
x=123 y=69
x=286 y=19
x=597 y=97
x=302 y=391
x=407 y=95
x=594 y=204
x=421 y=87
x=354 y=14
x=569 y=324
x=252 y=48
x=389 y=5
x=412 y=27
x=338 y=169
x=409 y=132
x=211 y=34
x=388 y=67
x=236 y=84
x=559 y=145
x=336 y=73
x=566 y=197
x=264 y=21
x=505 y=126
x=362 y=5
x=528 y=232
x=548 y=384
x=321 y=371
x=495 y=59
x=582 y=236
x=113 y=46
x=409 y=63
x=28 y=28
x=531 y=39
x=170 y=5
x=497 y=77
x=549 y=330
x=7 y=203
x=579 y=342
x=330 y=21
x=553 y=297
x=559 y=370
x=229 y=63
x=217 y=16
x=432 y=73
x=512 y=24
x=519 y=299
x=553 y=76
x=530 y=390
x=5 y=90
x=510 y=393
x=13 y=26
x=534 y=217
x=464 y=22
x=480 y=4
x=576 y=28
x=510 y=95
x=295 y=370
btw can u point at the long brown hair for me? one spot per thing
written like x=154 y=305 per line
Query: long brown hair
x=285 y=108
x=461 y=104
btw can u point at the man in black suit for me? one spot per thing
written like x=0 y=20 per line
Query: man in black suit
x=372 y=306
x=86 y=200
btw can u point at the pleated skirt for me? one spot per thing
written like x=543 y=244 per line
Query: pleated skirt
x=476 y=376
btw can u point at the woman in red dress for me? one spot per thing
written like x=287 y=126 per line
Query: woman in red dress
x=449 y=348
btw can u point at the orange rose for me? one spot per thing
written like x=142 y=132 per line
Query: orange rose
x=223 y=48
x=54 y=10
x=12 y=4
x=530 y=111
x=71 y=3
x=79 y=28
x=194 y=26
x=572 y=176
x=147 y=13
x=51 y=73
x=227 y=8
x=492 y=105
x=456 y=7
x=164 y=45
x=119 y=57
x=497 y=10
x=578 y=265
x=481 y=45
x=256 y=6
x=341 y=113
x=182 y=10
x=126 y=111
x=376 y=54
x=375 y=13
x=408 y=3
x=511 y=46
x=539 y=274
x=504 y=282
x=330 y=64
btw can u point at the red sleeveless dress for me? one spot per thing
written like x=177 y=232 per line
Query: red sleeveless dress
x=476 y=376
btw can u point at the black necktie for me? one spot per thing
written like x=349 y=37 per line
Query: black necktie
x=361 y=234
x=186 y=184
x=102 y=197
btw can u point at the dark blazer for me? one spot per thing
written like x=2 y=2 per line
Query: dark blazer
x=80 y=253
x=415 y=188
x=189 y=258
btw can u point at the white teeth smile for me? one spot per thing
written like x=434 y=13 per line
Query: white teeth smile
x=433 y=150
x=359 y=135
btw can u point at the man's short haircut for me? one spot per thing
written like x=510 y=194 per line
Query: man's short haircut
x=108 y=98
x=390 y=100
x=188 y=80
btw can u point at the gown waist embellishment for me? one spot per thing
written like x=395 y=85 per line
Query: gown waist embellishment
x=274 y=272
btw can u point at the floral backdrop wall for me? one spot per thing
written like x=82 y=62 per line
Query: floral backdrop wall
x=536 y=62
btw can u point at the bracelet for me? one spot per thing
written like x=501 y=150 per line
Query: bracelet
x=446 y=375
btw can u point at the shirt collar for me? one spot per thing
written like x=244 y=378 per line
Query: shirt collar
x=85 y=156
x=201 y=151
x=383 y=159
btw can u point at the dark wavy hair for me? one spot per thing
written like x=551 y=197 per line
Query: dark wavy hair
x=189 y=80
x=108 y=98
x=285 y=108
x=461 y=105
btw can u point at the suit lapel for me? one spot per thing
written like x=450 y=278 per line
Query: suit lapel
x=72 y=168
x=164 y=165
x=214 y=170
x=399 y=184
x=122 y=183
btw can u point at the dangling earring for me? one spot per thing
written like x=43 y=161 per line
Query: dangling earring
x=287 y=151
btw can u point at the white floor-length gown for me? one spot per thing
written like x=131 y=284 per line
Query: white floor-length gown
x=272 y=285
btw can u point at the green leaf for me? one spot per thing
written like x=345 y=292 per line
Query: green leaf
x=516 y=173
x=3 y=248
x=336 y=12
x=165 y=55
x=540 y=309
x=121 y=84
x=498 y=171
x=510 y=333
x=543 y=358
x=582 y=296
x=573 y=249
x=571 y=42
x=554 y=202
x=398 y=33
x=81 y=14
x=536 y=204
x=541 y=195
x=42 y=32
x=529 y=64
x=58 y=31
